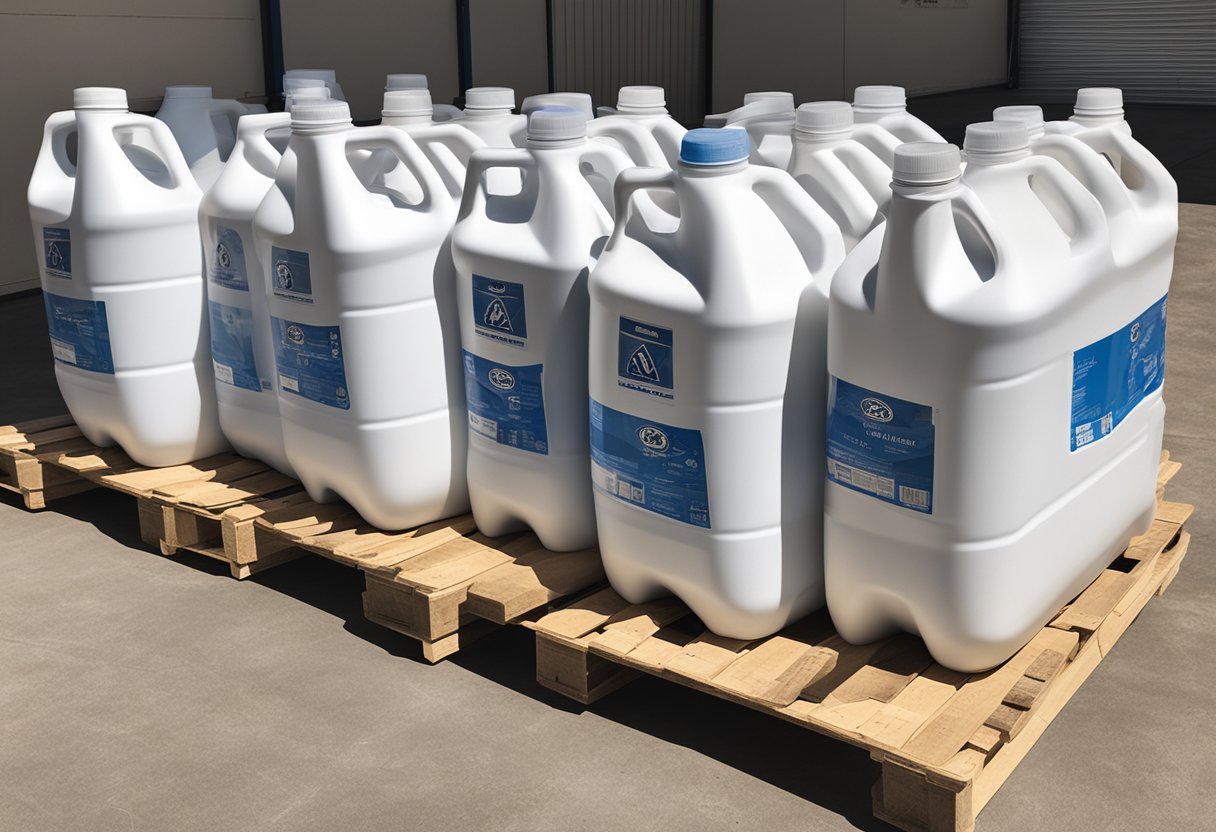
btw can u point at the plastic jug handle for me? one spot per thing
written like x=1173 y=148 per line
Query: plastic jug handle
x=869 y=170
x=629 y=182
x=1092 y=230
x=455 y=138
x=814 y=232
x=641 y=146
x=252 y=129
x=1156 y=185
x=407 y=151
x=482 y=161
x=607 y=161
x=55 y=136
x=1094 y=171
x=166 y=146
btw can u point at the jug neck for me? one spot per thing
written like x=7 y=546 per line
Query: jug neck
x=635 y=111
x=407 y=121
x=868 y=114
x=544 y=146
x=478 y=115
x=1098 y=121
x=821 y=141
x=733 y=172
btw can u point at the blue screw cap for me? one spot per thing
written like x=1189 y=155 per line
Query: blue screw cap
x=712 y=146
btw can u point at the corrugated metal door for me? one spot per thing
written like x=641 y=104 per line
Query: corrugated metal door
x=1156 y=50
x=598 y=46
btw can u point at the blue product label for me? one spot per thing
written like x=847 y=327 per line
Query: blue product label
x=506 y=403
x=880 y=445
x=1111 y=376
x=654 y=466
x=80 y=333
x=644 y=358
x=498 y=310
x=57 y=252
x=291 y=275
x=228 y=261
x=232 y=346
x=309 y=361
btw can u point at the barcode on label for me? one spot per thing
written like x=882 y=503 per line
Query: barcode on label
x=918 y=497
x=64 y=352
x=881 y=486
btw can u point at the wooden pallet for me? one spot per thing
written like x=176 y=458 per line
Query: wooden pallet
x=946 y=741
x=24 y=474
x=182 y=507
x=441 y=584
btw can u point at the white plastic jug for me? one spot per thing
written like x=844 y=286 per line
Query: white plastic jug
x=118 y=253
x=996 y=415
x=844 y=176
x=522 y=262
x=242 y=344
x=204 y=127
x=488 y=115
x=647 y=107
x=887 y=107
x=418 y=81
x=448 y=146
x=326 y=76
x=707 y=383
x=1095 y=108
x=768 y=118
x=367 y=357
x=320 y=92
x=1134 y=188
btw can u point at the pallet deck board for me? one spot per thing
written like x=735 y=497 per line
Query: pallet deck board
x=945 y=741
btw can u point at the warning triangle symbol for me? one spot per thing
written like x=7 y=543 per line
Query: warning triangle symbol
x=642 y=365
x=496 y=316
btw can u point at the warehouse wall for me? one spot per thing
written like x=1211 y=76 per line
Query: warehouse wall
x=824 y=48
x=510 y=45
x=48 y=47
x=364 y=40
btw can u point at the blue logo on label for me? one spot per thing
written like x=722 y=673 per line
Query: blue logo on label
x=498 y=310
x=292 y=274
x=57 y=245
x=223 y=257
x=226 y=265
x=645 y=358
x=653 y=438
x=295 y=334
x=876 y=409
x=501 y=379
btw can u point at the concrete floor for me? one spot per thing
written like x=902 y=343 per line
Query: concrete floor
x=143 y=693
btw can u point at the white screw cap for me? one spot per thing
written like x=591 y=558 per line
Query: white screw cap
x=99 y=98
x=880 y=97
x=489 y=98
x=405 y=81
x=293 y=84
x=406 y=102
x=641 y=97
x=824 y=118
x=1099 y=101
x=996 y=138
x=1029 y=115
x=926 y=163
x=556 y=124
x=787 y=97
x=580 y=101
x=311 y=115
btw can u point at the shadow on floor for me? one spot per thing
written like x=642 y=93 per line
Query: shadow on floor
x=831 y=774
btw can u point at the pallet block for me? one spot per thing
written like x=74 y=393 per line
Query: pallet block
x=945 y=741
